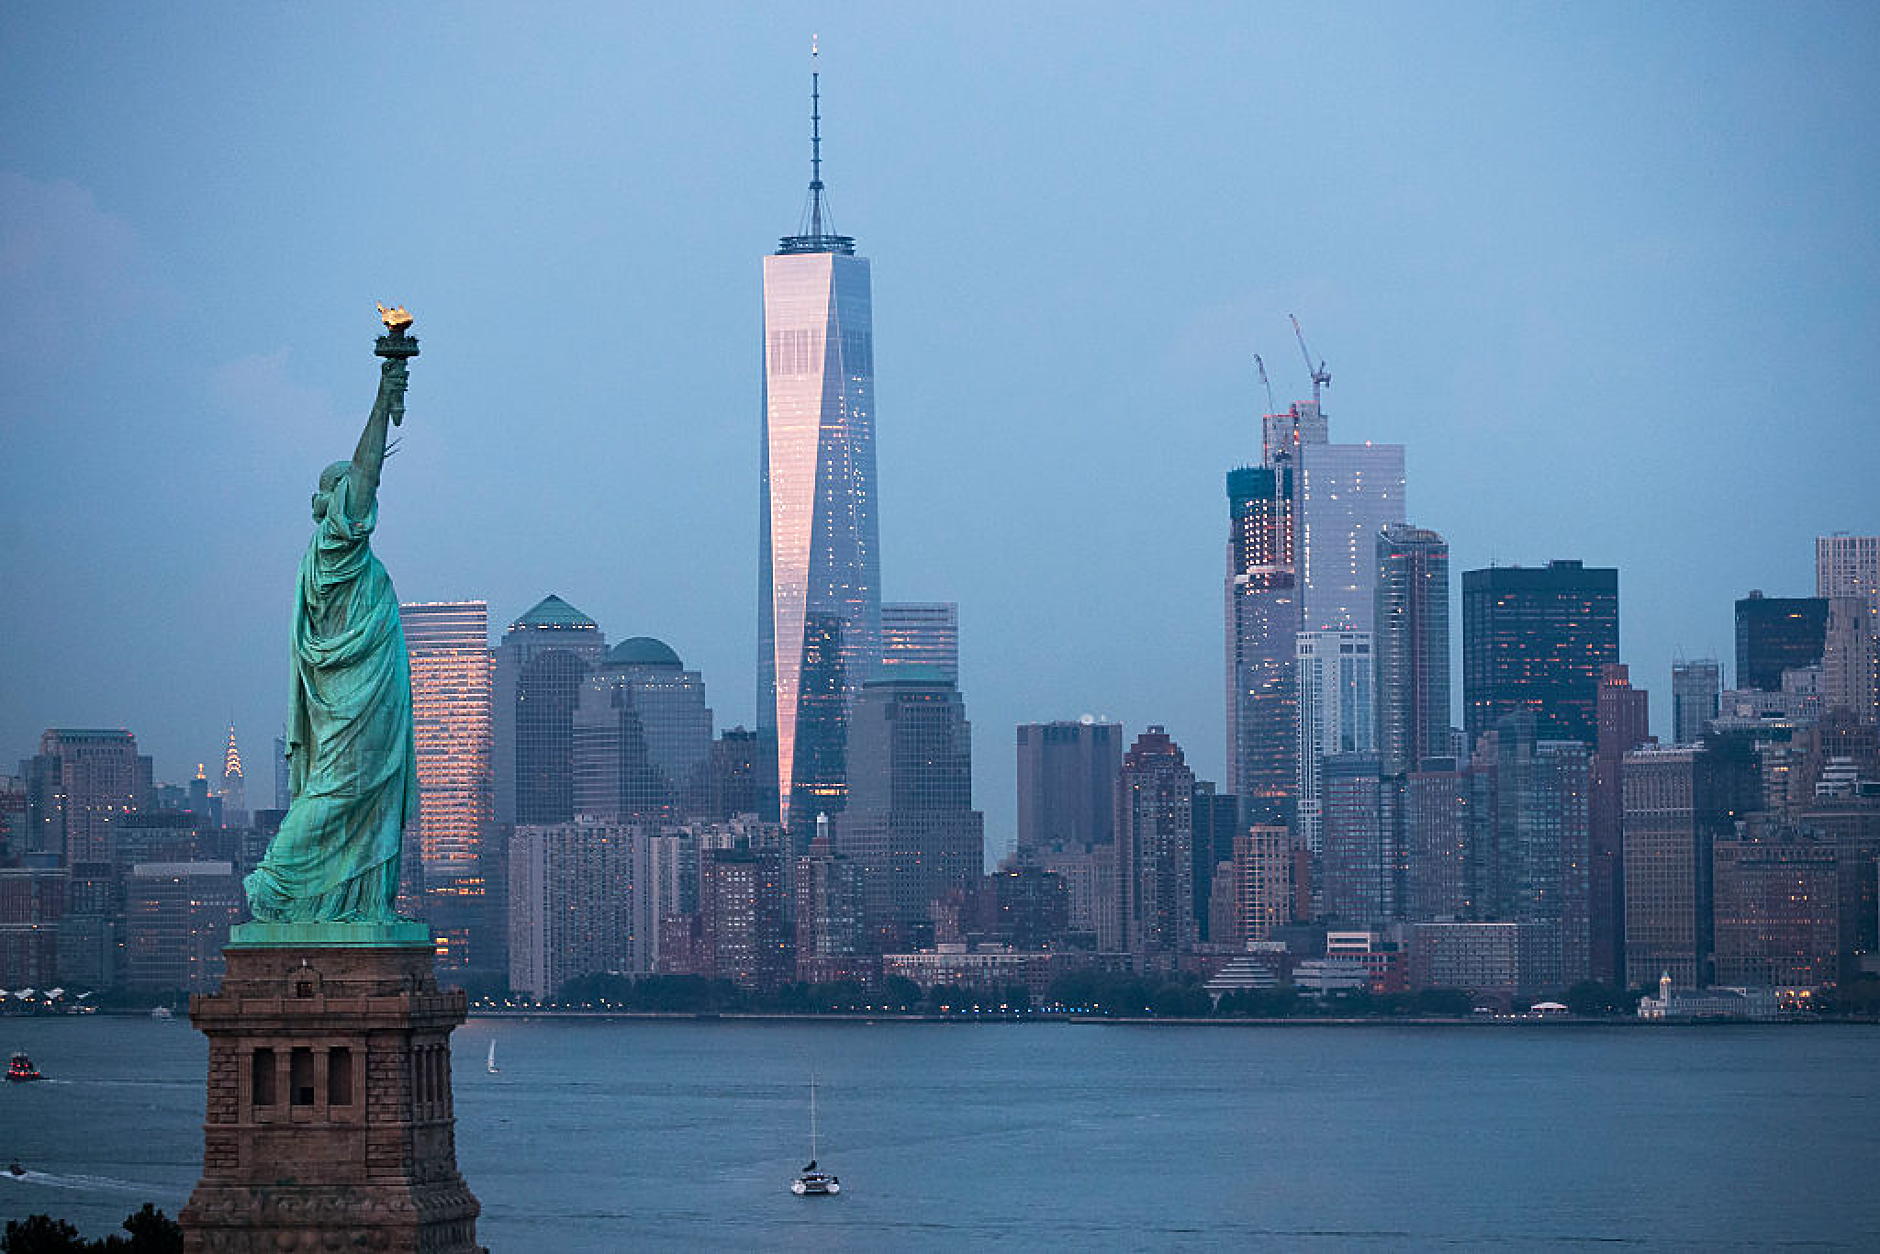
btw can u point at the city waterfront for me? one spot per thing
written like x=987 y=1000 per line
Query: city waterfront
x=598 y=1135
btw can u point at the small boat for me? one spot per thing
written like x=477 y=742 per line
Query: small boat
x=22 y=1069
x=14 y=1169
x=162 y=1012
x=492 y=1062
x=814 y=1183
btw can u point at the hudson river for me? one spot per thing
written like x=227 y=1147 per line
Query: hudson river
x=607 y=1136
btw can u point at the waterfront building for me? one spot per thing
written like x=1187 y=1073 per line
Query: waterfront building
x=79 y=787
x=1695 y=688
x=990 y=972
x=1849 y=818
x=1411 y=644
x=830 y=936
x=1533 y=639
x=922 y=633
x=1067 y=786
x=1776 y=634
x=1088 y=873
x=1262 y=869
x=1438 y=835
x=741 y=913
x=1263 y=617
x=1623 y=719
x=1543 y=792
x=32 y=907
x=819 y=558
x=452 y=713
x=1678 y=803
x=1486 y=959
x=1362 y=865
x=1776 y=910
x=572 y=890
x=1336 y=715
x=642 y=738
x=540 y=665
x=1155 y=851
x=178 y=915
x=910 y=824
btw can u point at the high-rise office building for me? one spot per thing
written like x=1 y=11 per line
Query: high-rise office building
x=1410 y=639
x=1776 y=634
x=1262 y=596
x=910 y=825
x=1679 y=803
x=1695 y=687
x=1847 y=569
x=79 y=786
x=1155 y=793
x=922 y=633
x=642 y=737
x=1531 y=798
x=452 y=701
x=1623 y=717
x=234 y=790
x=1348 y=493
x=1776 y=911
x=1439 y=834
x=177 y=919
x=1067 y=785
x=1216 y=823
x=819 y=560
x=1362 y=863
x=452 y=713
x=741 y=913
x=540 y=666
x=1336 y=714
x=1533 y=640
x=742 y=781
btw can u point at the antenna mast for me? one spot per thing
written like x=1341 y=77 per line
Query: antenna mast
x=815 y=140
x=1321 y=377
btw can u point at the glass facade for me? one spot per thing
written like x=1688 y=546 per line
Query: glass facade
x=1262 y=620
x=1335 y=713
x=1411 y=638
x=820 y=560
x=922 y=634
x=540 y=666
x=1533 y=640
x=1348 y=493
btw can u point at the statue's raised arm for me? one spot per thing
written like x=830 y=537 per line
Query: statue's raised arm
x=352 y=773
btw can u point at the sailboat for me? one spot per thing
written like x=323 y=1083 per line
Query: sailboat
x=814 y=1183
x=492 y=1062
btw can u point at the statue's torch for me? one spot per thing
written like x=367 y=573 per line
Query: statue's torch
x=397 y=346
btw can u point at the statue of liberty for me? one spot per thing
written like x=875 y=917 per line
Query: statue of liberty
x=351 y=770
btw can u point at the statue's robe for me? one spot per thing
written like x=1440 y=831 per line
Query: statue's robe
x=352 y=771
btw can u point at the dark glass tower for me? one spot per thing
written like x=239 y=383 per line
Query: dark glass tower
x=541 y=664
x=1411 y=646
x=1262 y=623
x=1067 y=786
x=1533 y=640
x=1775 y=634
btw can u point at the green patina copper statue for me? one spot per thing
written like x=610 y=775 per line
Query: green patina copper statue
x=351 y=768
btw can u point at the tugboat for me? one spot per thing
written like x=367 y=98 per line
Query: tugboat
x=21 y=1068
x=814 y=1183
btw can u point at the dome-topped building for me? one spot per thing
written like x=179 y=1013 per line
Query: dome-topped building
x=643 y=651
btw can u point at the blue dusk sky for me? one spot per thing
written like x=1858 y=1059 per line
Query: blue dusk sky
x=1610 y=272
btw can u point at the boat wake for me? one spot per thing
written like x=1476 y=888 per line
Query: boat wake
x=80 y=1183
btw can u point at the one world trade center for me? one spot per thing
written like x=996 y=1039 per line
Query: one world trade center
x=819 y=575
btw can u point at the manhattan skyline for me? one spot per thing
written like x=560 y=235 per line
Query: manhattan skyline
x=1616 y=302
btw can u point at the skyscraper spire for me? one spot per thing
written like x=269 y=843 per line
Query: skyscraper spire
x=815 y=140
x=815 y=235
x=231 y=757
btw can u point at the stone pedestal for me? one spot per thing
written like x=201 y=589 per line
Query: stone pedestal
x=329 y=1121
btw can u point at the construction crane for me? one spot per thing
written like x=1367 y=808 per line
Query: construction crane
x=1321 y=377
x=1261 y=366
